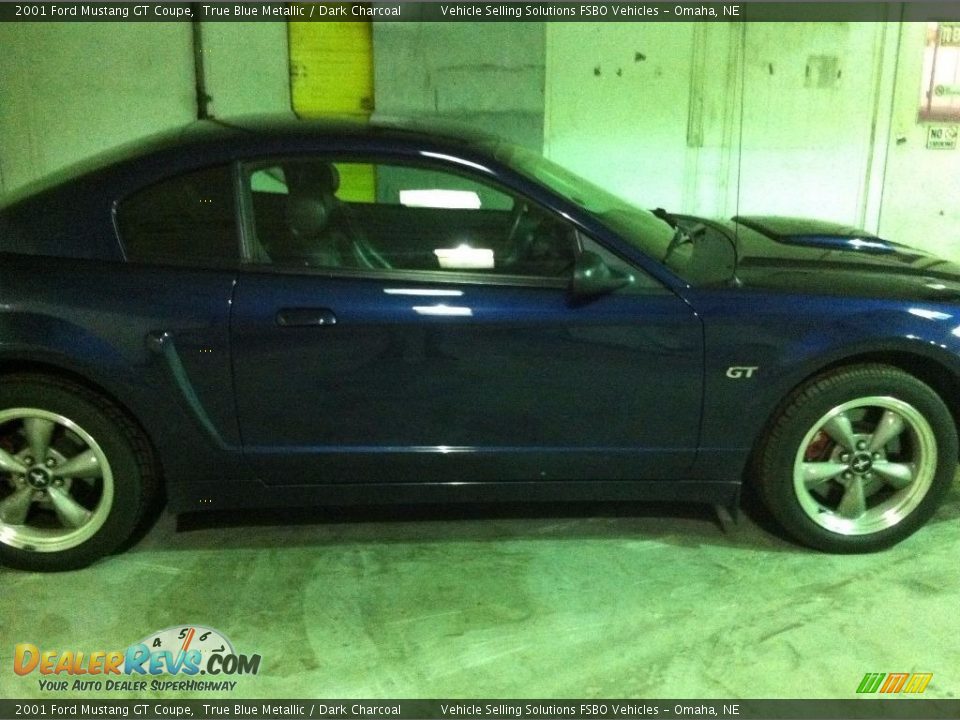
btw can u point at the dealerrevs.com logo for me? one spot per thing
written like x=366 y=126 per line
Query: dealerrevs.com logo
x=183 y=650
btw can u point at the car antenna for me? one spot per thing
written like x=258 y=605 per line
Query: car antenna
x=200 y=76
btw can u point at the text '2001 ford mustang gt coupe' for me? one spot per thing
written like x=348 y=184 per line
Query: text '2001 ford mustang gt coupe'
x=285 y=313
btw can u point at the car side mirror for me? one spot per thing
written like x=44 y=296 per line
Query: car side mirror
x=593 y=277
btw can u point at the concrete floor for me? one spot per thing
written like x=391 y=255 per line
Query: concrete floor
x=582 y=601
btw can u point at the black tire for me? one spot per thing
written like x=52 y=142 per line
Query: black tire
x=815 y=516
x=133 y=473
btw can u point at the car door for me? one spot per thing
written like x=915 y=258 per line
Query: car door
x=418 y=327
x=181 y=243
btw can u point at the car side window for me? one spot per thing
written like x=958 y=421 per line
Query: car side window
x=382 y=216
x=186 y=220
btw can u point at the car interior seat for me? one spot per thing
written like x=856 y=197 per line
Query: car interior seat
x=311 y=201
x=322 y=230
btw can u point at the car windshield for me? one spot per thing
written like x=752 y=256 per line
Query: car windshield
x=643 y=228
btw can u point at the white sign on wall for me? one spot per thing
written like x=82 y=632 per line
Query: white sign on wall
x=942 y=137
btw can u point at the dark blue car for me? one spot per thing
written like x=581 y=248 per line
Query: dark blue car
x=280 y=313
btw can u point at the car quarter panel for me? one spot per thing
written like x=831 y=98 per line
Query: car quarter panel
x=95 y=319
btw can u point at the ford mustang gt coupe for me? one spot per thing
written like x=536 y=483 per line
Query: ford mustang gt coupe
x=285 y=313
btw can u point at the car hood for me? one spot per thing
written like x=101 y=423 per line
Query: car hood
x=818 y=256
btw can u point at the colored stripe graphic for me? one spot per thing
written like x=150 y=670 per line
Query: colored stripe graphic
x=894 y=683
x=870 y=682
x=918 y=682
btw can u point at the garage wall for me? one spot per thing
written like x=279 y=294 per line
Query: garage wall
x=488 y=75
x=921 y=185
x=786 y=118
x=70 y=90
x=719 y=118
x=618 y=101
x=809 y=108
x=648 y=111
x=247 y=67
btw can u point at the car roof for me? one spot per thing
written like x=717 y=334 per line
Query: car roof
x=377 y=125
x=248 y=130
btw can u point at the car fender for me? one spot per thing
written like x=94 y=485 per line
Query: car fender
x=758 y=350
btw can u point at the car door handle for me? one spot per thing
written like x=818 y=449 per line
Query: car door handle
x=305 y=317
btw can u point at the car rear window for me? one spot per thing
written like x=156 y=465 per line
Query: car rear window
x=186 y=220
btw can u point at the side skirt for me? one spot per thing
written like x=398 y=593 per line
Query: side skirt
x=196 y=497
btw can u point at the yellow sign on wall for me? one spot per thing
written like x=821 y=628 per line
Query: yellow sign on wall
x=331 y=68
x=331 y=74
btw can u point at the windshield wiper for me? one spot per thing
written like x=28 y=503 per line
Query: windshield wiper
x=682 y=236
x=669 y=219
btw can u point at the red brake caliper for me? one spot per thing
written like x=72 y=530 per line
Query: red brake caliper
x=819 y=448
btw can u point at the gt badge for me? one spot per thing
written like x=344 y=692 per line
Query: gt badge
x=737 y=372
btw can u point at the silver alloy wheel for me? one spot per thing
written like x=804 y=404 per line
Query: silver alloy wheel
x=877 y=460
x=41 y=511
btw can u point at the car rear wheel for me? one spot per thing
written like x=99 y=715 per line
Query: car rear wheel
x=76 y=475
x=858 y=459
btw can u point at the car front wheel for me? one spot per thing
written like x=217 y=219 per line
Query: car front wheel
x=858 y=459
x=76 y=475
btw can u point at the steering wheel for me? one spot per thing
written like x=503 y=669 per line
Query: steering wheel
x=520 y=209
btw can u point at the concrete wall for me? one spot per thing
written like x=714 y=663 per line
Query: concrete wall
x=809 y=108
x=618 y=101
x=785 y=118
x=488 y=75
x=718 y=118
x=921 y=186
x=69 y=90
x=247 y=67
